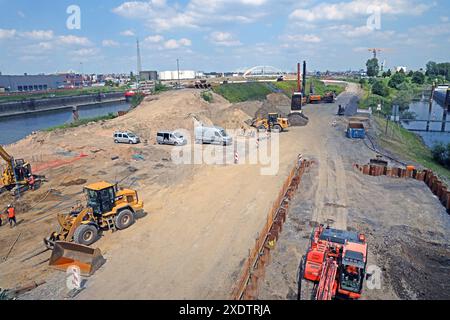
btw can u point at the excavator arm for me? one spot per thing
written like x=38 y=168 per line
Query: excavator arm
x=8 y=177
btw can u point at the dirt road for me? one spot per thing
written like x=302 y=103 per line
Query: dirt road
x=405 y=224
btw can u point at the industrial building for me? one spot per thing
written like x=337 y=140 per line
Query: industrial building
x=148 y=75
x=21 y=83
x=173 y=75
x=29 y=83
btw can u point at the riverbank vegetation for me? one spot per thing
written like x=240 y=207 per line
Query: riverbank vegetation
x=81 y=122
x=240 y=92
x=58 y=93
x=401 y=88
x=409 y=146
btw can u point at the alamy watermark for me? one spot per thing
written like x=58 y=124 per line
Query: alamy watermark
x=73 y=22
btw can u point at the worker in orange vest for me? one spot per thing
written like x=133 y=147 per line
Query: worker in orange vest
x=11 y=216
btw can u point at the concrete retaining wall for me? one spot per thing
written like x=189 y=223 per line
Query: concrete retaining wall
x=28 y=106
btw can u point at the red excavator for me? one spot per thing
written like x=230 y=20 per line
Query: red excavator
x=336 y=264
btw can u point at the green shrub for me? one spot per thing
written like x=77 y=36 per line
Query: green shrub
x=207 y=96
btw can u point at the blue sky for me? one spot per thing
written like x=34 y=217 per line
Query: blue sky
x=221 y=35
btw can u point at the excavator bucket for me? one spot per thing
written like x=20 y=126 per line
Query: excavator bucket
x=66 y=254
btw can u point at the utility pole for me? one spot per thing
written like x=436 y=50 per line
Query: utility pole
x=433 y=88
x=139 y=63
x=178 y=70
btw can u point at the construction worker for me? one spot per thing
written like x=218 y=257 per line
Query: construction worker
x=11 y=216
x=31 y=181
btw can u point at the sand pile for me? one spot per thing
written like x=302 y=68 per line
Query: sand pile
x=231 y=118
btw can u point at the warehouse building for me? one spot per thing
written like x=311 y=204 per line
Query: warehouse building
x=27 y=83
x=148 y=75
x=173 y=75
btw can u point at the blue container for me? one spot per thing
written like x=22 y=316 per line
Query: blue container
x=356 y=131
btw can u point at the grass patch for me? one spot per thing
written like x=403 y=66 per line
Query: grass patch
x=408 y=145
x=58 y=93
x=289 y=87
x=240 y=92
x=207 y=96
x=81 y=122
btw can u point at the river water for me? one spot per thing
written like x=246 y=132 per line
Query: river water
x=15 y=128
x=421 y=110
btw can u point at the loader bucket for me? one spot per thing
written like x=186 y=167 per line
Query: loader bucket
x=66 y=254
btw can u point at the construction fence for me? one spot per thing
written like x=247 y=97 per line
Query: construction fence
x=246 y=288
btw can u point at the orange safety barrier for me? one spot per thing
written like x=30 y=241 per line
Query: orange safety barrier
x=56 y=163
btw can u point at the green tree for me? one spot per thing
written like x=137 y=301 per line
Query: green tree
x=418 y=78
x=380 y=89
x=396 y=80
x=410 y=74
x=389 y=73
x=373 y=68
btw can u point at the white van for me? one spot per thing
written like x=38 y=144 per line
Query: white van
x=214 y=135
x=168 y=137
x=126 y=137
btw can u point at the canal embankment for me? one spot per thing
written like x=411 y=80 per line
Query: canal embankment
x=33 y=106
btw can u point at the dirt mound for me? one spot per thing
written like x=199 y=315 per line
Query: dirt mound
x=278 y=99
x=75 y=182
x=249 y=107
x=231 y=118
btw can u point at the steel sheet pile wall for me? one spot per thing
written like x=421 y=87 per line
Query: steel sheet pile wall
x=246 y=287
x=431 y=180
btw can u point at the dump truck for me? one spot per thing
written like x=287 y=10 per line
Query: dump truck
x=107 y=208
x=272 y=122
x=336 y=263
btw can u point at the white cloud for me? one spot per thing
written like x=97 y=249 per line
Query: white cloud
x=39 y=34
x=445 y=19
x=224 y=39
x=128 y=33
x=21 y=14
x=154 y=39
x=161 y=16
x=74 y=40
x=175 y=44
x=110 y=43
x=86 y=52
x=359 y=8
x=7 y=33
x=299 y=38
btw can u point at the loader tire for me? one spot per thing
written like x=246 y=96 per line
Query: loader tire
x=124 y=219
x=277 y=128
x=85 y=234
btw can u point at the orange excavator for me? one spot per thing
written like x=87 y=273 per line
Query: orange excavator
x=336 y=264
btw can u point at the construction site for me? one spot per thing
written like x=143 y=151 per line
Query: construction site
x=339 y=218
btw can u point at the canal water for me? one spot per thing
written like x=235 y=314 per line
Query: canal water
x=421 y=109
x=12 y=129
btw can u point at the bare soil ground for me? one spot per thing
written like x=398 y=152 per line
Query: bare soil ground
x=405 y=224
x=202 y=219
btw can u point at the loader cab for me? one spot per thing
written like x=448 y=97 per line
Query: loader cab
x=100 y=197
x=273 y=118
x=352 y=272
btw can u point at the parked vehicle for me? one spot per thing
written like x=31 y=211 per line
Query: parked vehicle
x=126 y=137
x=214 y=135
x=169 y=137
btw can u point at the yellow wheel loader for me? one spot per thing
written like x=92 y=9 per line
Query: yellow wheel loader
x=108 y=208
x=272 y=122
